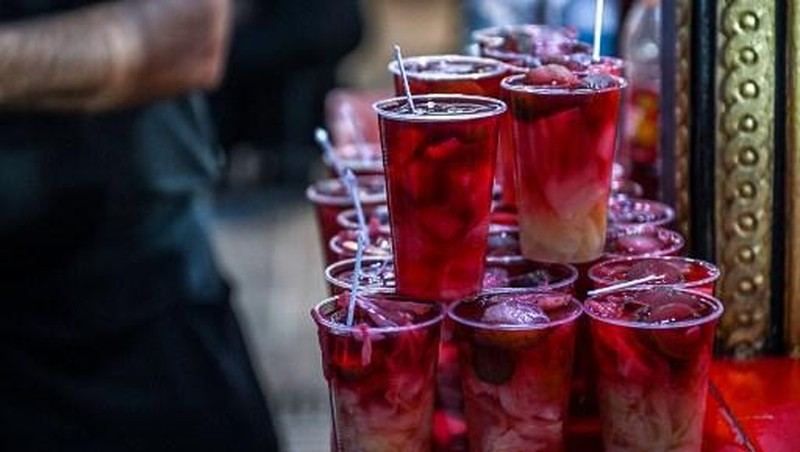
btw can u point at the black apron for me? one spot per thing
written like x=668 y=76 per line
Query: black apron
x=116 y=333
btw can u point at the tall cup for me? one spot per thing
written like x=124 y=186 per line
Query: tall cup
x=564 y=134
x=439 y=167
x=380 y=371
x=652 y=350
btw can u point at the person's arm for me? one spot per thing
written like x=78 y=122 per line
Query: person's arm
x=113 y=55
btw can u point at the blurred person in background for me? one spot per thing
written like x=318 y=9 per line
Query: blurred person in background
x=117 y=333
x=283 y=60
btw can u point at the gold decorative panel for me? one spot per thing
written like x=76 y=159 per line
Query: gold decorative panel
x=683 y=18
x=745 y=78
x=792 y=295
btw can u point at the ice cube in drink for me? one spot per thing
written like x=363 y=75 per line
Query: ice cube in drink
x=331 y=197
x=524 y=45
x=623 y=211
x=439 y=170
x=642 y=240
x=515 y=351
x=345 y=244
x=564 y=135
x=377 y=272
x=450 y=74
x=380 y=371
x=652 y=349
x=673 y=271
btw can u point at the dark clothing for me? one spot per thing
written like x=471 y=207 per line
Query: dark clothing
x=282 y=63
x=117 y=332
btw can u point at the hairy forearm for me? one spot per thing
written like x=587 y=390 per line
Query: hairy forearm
x=112 y=55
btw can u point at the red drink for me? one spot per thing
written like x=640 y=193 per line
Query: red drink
x=624 y=211
x=565 y=128
x=380 y=372
x=439 y=169
x=377 y=217
x=363 y=158
x=450 y=74
x=376 y=273
x=345 y=244
x=642 y=240
x=523 y=45
x=652 y=349
x=515 y=350
x=677 y=272
x=583 y=62
x=330 y=197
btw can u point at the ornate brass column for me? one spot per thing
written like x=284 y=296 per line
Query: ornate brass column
x=744 y=170
x=725 y=162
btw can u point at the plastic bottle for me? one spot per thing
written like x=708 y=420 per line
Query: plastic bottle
x=641 y=49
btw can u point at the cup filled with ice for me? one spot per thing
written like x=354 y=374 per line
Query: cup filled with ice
x=454 y=74
x=669 y=271
x=523 y=45
x=331 y=197
x=625 y=211
x=377 y=272
x=564 y=136
x=516 y=351
x=642 y=240
x=652 y=349
x=345 y=244
x=376 y=217
x=363 y=159
x=380 y=371
x=440 y=161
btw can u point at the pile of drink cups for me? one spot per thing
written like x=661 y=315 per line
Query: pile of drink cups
x=512 y=276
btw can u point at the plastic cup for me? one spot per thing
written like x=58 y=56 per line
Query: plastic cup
x=523 y=45
x=507 y=269
x=380 y=371
x=515 y=351
x=439 y=170
x=642 y=240
x=450 y=74
x=678 y=272
x=376 y=273
x=564 y=140
x=625 y=188
x=331 y=197
x=652 y=348
x=624 y=211
x=345 y=244
x=363 y=159
x=376 y=217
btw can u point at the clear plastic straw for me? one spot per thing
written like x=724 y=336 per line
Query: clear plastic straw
x=599 y=7
x=624 y=285
x=399 y=58
x=321 y=137
x=351 y=183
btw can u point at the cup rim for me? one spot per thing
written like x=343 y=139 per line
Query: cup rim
x=573 y=274
x=716 y=314
x=668 y=217
x=341 y=218
x=481 y=35
x=313 y=194
x=558 y=90
x=714 y=272
x=501 y=67
x=379 y=107
x=322 y=321
x=676 y=239
x=329 y=278
x=492 y=327
x=334 y=244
